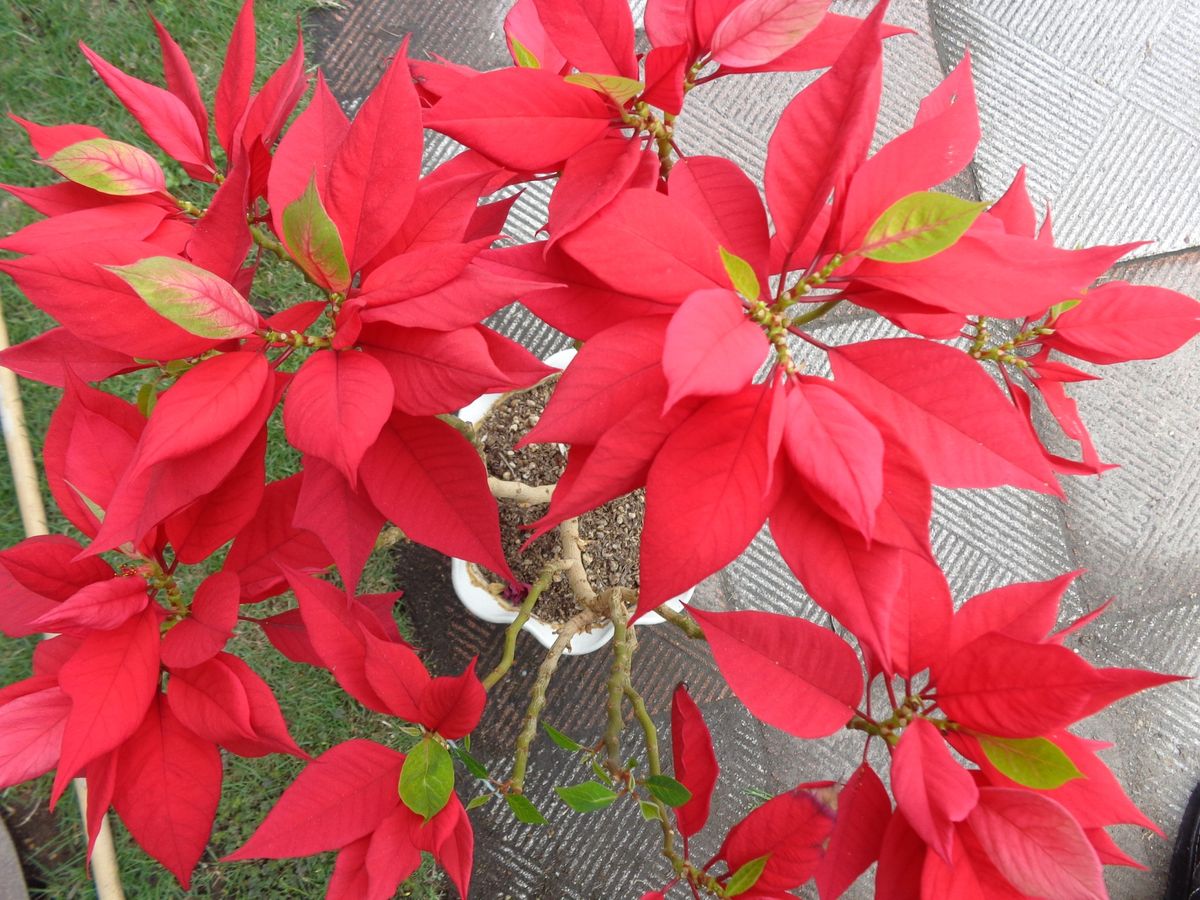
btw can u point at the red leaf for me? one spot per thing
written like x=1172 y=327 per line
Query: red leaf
x=953 y=416
x=397 y=676
x=666 y=68
x=712 y=348
x=39 y=573
x=1117 y=322
x=287 y=634
x=449 y=837
x=790 y=673
x=694 y=760
x=417 y=271
x=1036 y=845
x=758 y=31
x=667 y=22
x=653 y=234
x=837 y=450
x=932 y=790
x=101 y=606
x=221 y=238
x=31 y=732
x=165 y=118
x=335 y=407
x=594 y=35
x=969 y=875
x=344 y=519
x=211 y=701
x=901 y=857
x=706 y=494
x=237 y=77
x=863 y=814
x=391 y=854
x=426 y=478
x=266 y=720
x=209 y=623
x=1014 y=208
x=590 y=180
x=269 y=109
x=526 y=119
x=343 y=794
x=724 y=198
x=792 y=828
x=823 y=135
x=442 y=207
x=523 y=25
x=111 y=680
x=374 y=174
x=1024 y=611
x=167 y=790
x=350 y=880
x=453 y=705
x=132 y=221
x=49 y=139
x=41 y=358
x=181 y=81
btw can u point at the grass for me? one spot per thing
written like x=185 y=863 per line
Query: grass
x=44 y=78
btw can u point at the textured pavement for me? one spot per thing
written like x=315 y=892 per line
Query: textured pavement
x=1101 y=99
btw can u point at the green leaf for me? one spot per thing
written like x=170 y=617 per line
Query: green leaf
x=587 y=797
x=746 y=876
x=147 y=397
x=919 y=226
x=601 y=772
x=524 y=809
x=561 y=739
x=668 y=790
x=476 y=802
x=93 y=507
x=1059 y=308
x=427 y=779
x=314 y=242
x=620 y=90
x=649 y=811
x=1033 y=762
x=523 y=55
x=195 y=299
x=110 y=167
x=741 y=274
x=474 y=766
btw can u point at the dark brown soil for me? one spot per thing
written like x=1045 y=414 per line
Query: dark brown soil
x=613 y=531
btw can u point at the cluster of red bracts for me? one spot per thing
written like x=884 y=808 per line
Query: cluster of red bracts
x=669 y=270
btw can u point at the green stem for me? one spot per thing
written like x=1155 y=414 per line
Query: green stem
x=514 y=628
x=683 y=622
x=617 y=679
x=267 y=242
x=651 y=733
x=813 y=314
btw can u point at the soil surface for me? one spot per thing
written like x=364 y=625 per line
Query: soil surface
x=612 y=532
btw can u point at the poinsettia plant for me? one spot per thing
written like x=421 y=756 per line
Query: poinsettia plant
x=698 y=378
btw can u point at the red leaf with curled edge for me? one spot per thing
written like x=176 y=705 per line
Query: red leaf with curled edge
x=343 y=518
x=901 y=857
x=287 y=634
x=31 y=731
x=336 y=406
x=266 y=720
x=1036 y=844
x=417 y=271
x=932 y=790
x=336 y=636
x=724 y=198
x=790 y=673
x=111 y=679
x=101 y=606
x=1118 y=322
x=451 y=840
x=453 y=705
x=208 y=625
x=969 y=875
x=792 y=828
x=712 y=348
x=594 y=35
x=819 y=49
x=1025 y=611
x=133 y=221
x=181 y=81
x=694 y=760
x=237 y=77
x=950 y=413
x=653 y=234
x=590 y=180
x=203 y=406
x=397 y=676
x=164 y=117
x=391 y=854
x=374 y=175
x=758 y=31
x=608 y=376
x=527 y=119
x=823 y=135
x=221 y=238
x=89 y=443
x=427 y=479
x=666 y=68
x=269 y=109
x=706 y=494
x=940 y=144
x=168 y=785
x=271 y=541
x=211 y=702
x=350 y=879
x=343 y=794
x=49 y=565
x=837 y=450
x=41 y=358
x=863 y=813
x=96 y=305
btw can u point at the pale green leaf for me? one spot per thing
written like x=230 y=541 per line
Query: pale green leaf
x=313 y=240
x=474 y=766
x=746 y=876
x=476 y=802
x=649 y=811
x=1036 y=763
x=587 y=797
x=427 y=779
x=524 y=809
x=522 y=55
x=919 y=226
x=110 y=167
x=561 y=739
x=668 y=790
x=741 y=274
x=620 y=89
x=1059 y=308
x=195 y=299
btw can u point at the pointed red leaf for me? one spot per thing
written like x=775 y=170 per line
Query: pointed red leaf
x=932 y=790
x=712 y=348
x=452 y=705
x=1024 y=611
x=1118 y=322
x=41 y=358
x=694 y=760
x=397 y=676
x=391 y=854
x=901 y=857
x=47 y=565
x=590 y=180
x=724 y=198
x=864 y=811
x=31 y=732
x=451 y=840
x=47 y=140
x=266 y=720
x=237 y=77
x=758 y=31
x=594 y=36
x=344 y=519
x=792 y=828
x=287 y=634
x=102 y=606
x=133 y=221
x=343 y=794
x=181 y=81
x=790 y=673
x=209 y=623
x=211 y=702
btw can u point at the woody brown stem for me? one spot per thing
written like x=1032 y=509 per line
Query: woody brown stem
x=520 y=491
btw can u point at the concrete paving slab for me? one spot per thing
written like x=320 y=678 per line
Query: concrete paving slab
x=12 y=879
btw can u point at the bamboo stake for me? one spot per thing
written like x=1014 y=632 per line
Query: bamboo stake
x=33 y=517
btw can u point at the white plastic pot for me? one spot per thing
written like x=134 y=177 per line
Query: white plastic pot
x=468 y=584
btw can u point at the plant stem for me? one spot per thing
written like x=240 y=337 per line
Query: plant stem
x=569 y=549
x=267 y=242
x=537 y=697
x=617 y=679
x=510 y=635
x=520 y=491
x=813 y=314
x=683 y=622
x=648 y=729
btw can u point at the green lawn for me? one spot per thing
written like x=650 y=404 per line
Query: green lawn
x=43 y=77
